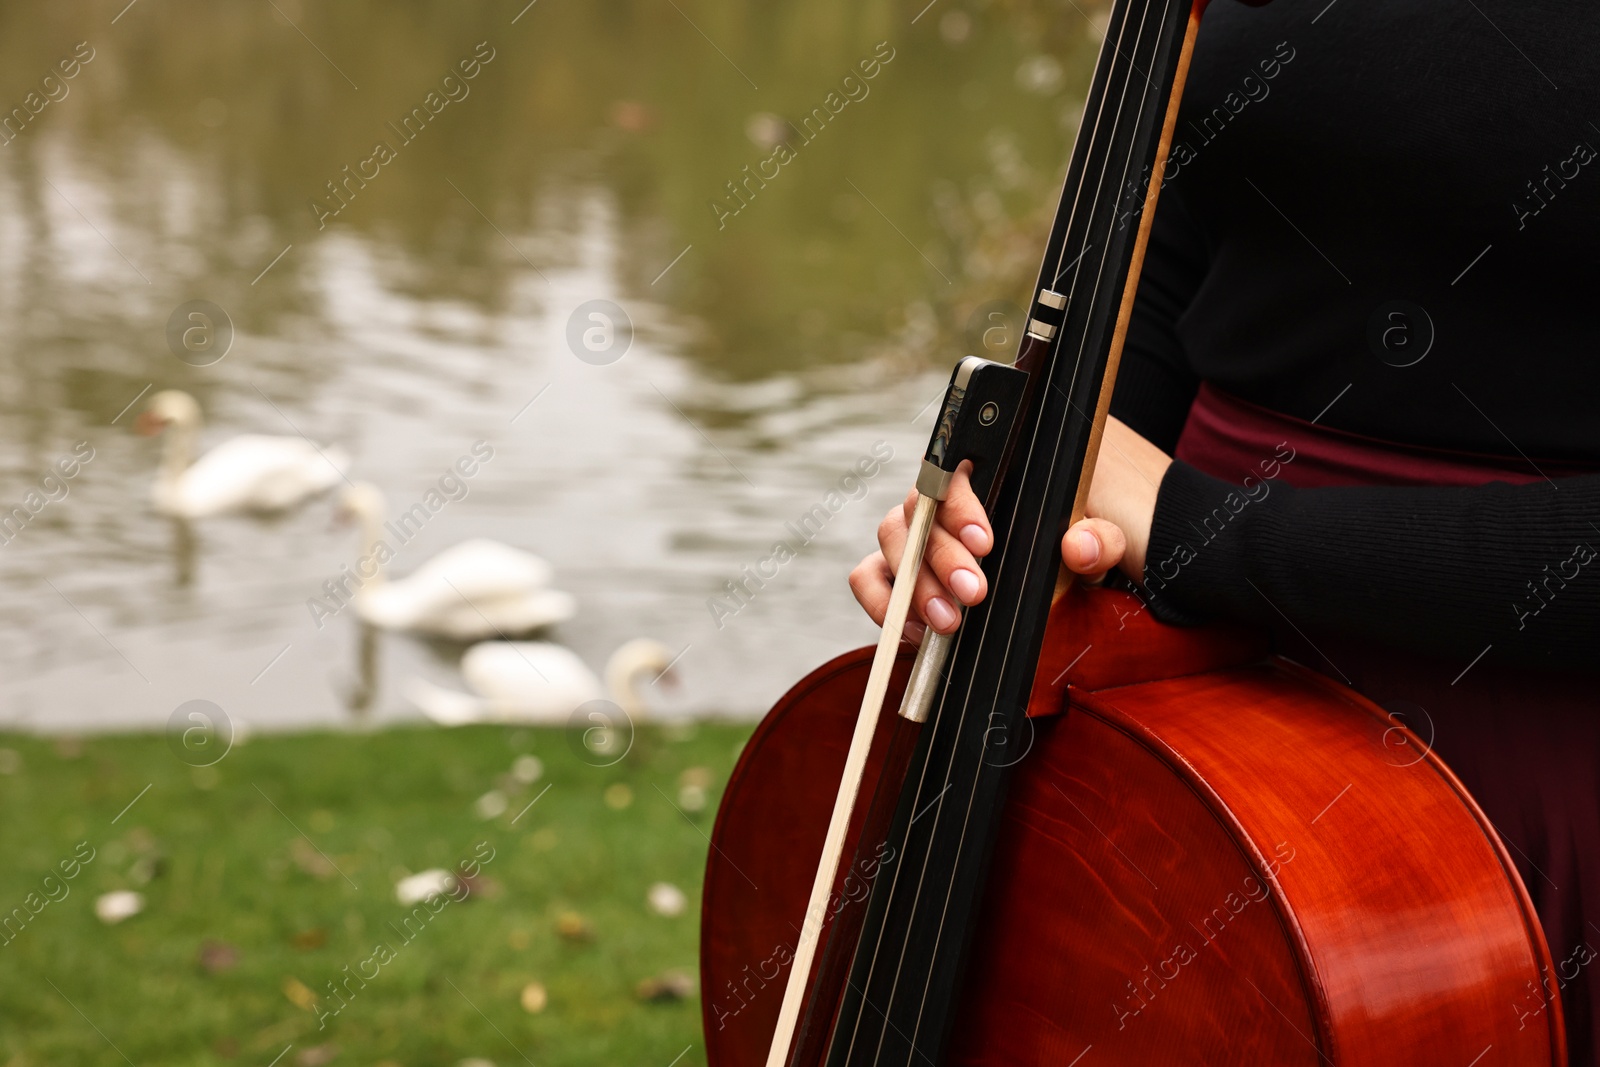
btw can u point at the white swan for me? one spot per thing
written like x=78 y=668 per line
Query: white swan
x=251 y=472
x=538 y=682
x=468 y=592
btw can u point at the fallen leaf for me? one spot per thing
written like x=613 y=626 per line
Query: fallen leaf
x=534 y=998
x=147 y=868
x=526 y=769
x=114 y=907
x=424 y=885
x=491 y=805
x=574 y=927
x=481 y=886
x=666 y=899
x=316 y=1055
x=667 y=986
x=218 y=956
x=299 y=994
x=310 y=860
x=314 y=938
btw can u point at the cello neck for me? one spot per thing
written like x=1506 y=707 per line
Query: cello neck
x=1147 y=215
x=904 y=981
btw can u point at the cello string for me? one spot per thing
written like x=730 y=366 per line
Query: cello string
x=1060 y=430
x=1061 y=270
x=941 y=719
x=1121 y=94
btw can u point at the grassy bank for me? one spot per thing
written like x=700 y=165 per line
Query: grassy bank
x=265 y=876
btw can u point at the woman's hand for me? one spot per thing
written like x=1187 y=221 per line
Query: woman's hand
x=1122 y=501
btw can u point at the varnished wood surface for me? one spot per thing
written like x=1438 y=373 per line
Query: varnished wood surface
x=1108 y=880
x=1097 y=640
x=767 y=844
x=1332 y=893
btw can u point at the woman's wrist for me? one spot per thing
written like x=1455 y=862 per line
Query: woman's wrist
x=1122 y=499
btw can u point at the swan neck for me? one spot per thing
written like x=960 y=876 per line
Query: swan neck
x=178 y=450
x=627 y=696
x=624 y=680
x=371 y=541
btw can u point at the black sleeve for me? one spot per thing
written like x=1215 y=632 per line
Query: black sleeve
x=1443 y=570
x=1155 y=386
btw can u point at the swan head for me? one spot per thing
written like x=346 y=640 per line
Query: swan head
x=170 y=407
x=361 y=502
x=640 y=660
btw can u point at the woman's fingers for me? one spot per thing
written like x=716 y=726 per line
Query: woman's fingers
x=1121 y=504
x=892 y=537
x=961 y=513
x=931 y=599
x=955 y=567
x=872 y=582
x=1093 y=547
x=907 y=506
x=950 y=578
x=873 y=578
x=934 y=603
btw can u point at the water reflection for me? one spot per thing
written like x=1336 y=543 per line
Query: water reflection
x=771 y=351
x=184 y=546
x=359 y=695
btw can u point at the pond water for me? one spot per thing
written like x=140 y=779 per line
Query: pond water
x=806 y=212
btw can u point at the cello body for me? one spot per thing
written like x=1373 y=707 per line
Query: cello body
x=1207 y=855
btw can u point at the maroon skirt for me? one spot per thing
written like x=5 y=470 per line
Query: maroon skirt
x=1525 y=742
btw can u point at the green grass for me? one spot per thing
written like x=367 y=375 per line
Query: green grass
x=220 y=856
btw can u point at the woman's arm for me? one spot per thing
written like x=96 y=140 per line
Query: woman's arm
x=1449 y=571
x=1154 y=390
x=1443 y=570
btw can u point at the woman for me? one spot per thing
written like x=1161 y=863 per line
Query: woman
x=1365 y=329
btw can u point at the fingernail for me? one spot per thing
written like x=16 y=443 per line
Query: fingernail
x=942 y=615
x=914 y=631
x=965 y=585
x=975 y=538
x=1087 y=545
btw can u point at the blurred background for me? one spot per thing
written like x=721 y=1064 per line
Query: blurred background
x=561 y=261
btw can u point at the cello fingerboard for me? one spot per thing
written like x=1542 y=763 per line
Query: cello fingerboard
x=905 y=980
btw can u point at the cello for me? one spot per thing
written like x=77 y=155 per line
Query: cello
x=1087 y=837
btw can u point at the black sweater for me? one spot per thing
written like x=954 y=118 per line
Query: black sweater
x=1332 y=159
